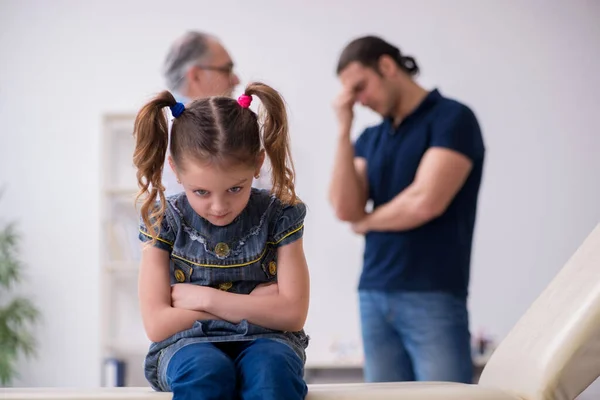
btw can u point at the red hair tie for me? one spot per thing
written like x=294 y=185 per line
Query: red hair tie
x=244 y=100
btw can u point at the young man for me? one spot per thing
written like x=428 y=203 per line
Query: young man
x=422 y=168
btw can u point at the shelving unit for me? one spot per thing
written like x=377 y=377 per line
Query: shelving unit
x=123 y=340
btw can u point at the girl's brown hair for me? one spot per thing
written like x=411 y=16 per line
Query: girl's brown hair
x=212 y=130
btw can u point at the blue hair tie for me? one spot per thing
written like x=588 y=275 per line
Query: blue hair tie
x=177 y=109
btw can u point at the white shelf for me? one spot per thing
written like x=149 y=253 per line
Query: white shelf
x=121 y=191
x=128 y=350
x=125 y=267
x=334 y=365
x=478 y=361
x=122 y=332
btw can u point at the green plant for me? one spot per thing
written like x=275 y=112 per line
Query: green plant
x=17 y=313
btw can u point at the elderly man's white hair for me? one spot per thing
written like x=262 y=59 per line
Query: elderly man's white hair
x=185 y=52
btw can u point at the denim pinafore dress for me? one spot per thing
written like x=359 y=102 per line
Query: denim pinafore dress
x=234 y=258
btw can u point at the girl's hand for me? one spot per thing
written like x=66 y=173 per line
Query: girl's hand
x=265 y=289
x=190 y=297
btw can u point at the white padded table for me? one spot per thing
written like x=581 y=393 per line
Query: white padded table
x=355 y=391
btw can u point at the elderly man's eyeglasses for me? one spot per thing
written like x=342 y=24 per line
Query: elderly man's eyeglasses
x=226 y=69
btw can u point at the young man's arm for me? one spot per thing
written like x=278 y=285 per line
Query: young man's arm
x=456 y=143
x=348 y=191
x=441 y=174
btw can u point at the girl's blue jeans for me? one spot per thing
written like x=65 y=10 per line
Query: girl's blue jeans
x=258 y=369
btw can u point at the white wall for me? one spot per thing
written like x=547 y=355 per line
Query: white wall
x=528 y=68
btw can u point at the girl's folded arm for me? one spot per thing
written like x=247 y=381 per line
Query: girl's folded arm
x=160 y=319
x=285 y=310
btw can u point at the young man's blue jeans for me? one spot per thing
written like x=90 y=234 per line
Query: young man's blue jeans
x=259 y=369
x=421 y=336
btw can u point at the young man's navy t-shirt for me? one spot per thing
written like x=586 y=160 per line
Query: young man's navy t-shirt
x=437 y=255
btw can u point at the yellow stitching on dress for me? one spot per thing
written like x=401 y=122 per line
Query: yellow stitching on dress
x=221 y=266
x=238 y=265
x=151 y=237
x=291 y=233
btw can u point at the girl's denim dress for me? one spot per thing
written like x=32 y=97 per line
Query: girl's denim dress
x=235 y=258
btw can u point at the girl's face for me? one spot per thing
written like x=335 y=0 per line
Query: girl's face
x=215 y=193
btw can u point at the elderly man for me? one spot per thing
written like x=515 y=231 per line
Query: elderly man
x=197 y=66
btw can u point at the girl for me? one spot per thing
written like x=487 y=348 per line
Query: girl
x=223 y=284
